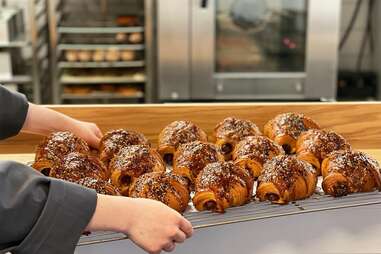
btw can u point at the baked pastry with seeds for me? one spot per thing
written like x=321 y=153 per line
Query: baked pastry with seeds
x=286 y=178
x=254 y=151
x=221 y=185
x=132 y=162
x=232 y=130
x=286 y=128
x=313 y=146
x=346 y=172
x=99 y=185
x=168 y=188
x=175 y=134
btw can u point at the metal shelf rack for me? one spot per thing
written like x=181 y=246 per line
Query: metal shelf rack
x=88 y=34
x=33 y=41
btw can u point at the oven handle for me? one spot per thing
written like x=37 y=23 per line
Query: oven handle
x=204 y=4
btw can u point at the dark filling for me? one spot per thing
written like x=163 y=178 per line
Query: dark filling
x=168 y=158
x=287 y=148
x=272 y=197
x=340 y=189
x=125 y=180
x=210 y=205
x=226 y=148
x=45 y=171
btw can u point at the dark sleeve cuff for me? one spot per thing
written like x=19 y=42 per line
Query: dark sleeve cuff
x=68 y=210
x=13 y=111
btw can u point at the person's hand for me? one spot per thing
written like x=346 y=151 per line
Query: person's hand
x=155 y=227
x=150 y=224
x=89 y=132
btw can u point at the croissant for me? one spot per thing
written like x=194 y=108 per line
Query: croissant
x=99 y=185
x=191 y=158
x=314 y=146
x=286 y=178
x=285 y=129
x=131 y=162
x=346 y=172
x=230 y=131
x=175 y=134
x=114 y=140
x=75 y=166
x=55 y=147
x=170 y=189
x=254 y=151
x=221 y=185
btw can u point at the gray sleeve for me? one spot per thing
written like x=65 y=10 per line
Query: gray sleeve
x=41 y=215
x=13 y=111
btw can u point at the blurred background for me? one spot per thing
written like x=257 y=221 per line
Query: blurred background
x=155 y=51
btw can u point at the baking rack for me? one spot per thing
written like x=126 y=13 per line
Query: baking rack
x=256 y=211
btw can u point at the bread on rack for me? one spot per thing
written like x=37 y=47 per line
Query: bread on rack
x=99 y=185
x=175 y=134
x=221 y=185
x=254 y=151
x=232 y=130
x=114 y=140
x=76 y=166
x=286 y=178
x=55 y=147
x=127 y=55
x=112 y=54
x=71 y=55
x=285 y=129
x=315 y=145
x=168 y=188
x=98 y=55
x=84 y=55
x=135 y=38
x=347 y=171
x=131 y=162
x=191 y=158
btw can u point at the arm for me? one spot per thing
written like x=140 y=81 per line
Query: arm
x=41 y=120
x=17 y=114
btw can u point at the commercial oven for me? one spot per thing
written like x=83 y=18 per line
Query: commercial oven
x=247 y=49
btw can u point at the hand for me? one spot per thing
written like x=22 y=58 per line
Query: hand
x=150 y=224
x=155 y=227
x=89 y=132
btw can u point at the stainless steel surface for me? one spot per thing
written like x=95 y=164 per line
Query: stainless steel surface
x=322 y=48
x=202 y=51
x=53 y=39
x=150 y=42
x=99 y=30
x=101 y=46
x=174 y=60
x=100 y=80
x=181 y=50
x=258 y=211
x=17 y=79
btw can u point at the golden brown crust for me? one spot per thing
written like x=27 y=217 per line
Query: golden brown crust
x=99 y=185
x=221 y=185
x=191 y=158
x=315 y=145
x=346 y=172
x=168 y=188
x=131 y=162
x=253 y=151
x=55 y=147
x=286 y=178
x=230 y=131
x=76 y=166
x=285 y=129
x=114 y=140
x=177 y=133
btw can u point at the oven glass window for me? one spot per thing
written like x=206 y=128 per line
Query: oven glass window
x=261 y=35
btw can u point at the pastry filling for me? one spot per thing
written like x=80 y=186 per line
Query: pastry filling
x=125 y=180
x=272 y=197
x=210 y=205
x=226 y=148
x=45 y=171
x=340 y=189
x=168 y=158
x=287 y=148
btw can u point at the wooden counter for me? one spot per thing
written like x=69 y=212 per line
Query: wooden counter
x=360 y=123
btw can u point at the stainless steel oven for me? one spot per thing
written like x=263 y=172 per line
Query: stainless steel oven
x=247 y=49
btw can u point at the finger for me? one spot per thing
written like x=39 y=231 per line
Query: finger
x=179 y=237
x=186 y=227
x=169 y=247
x=98 y=132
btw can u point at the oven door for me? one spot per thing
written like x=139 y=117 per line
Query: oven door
x=264 y=49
